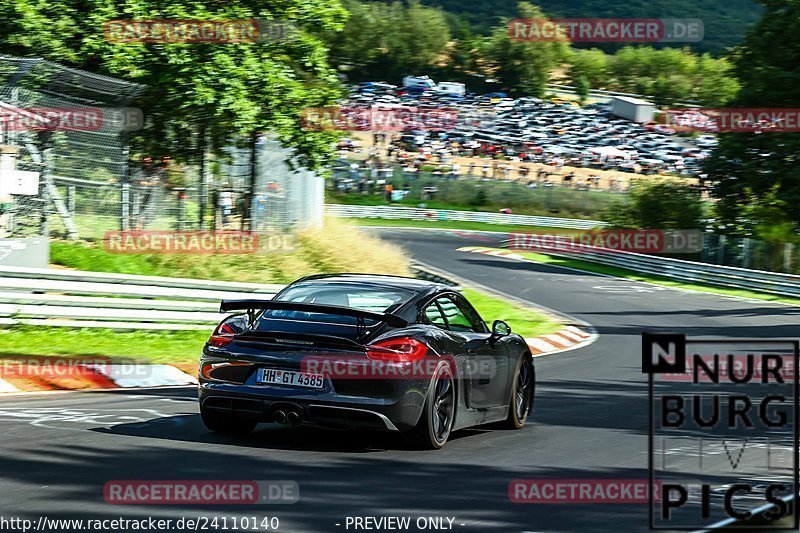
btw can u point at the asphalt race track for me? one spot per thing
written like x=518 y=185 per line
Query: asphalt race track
x=590 y=422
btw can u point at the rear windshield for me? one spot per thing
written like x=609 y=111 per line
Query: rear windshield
x=377 y=300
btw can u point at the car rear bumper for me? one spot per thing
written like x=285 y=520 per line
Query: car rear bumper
x=398 y=412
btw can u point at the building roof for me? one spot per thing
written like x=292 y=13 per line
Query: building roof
x=631 y=100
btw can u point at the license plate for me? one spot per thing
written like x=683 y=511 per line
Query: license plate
x=290 y=378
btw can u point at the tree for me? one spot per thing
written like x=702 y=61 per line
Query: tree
x=589 y=64
x=195 y=92
x=665 y=203
x=582 y=88
x=388 y=41
x=671 y=74
x=522 y=67
x=758 y=169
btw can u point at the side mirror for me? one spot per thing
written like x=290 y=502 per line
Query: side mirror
x=500 y=329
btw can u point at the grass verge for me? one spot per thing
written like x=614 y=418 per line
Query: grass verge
x=526 y=322
x=337 y=247
x=650 y=278
x=167 y=347
x=459 y=225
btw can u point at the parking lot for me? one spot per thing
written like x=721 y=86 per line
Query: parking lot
x=538 y=141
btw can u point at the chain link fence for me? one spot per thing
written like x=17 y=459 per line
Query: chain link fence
x=65 y=124
x=750 y=253
x=88 y=185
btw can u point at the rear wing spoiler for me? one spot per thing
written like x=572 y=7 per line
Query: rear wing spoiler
x=360 y=314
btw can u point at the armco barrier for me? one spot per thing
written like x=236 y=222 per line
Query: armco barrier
x=418 y=213
x=690 y=271
x=50 y=297
x=41 y=296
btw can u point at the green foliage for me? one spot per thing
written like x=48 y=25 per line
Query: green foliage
x=658 y=204
x=221 y=89
x=481 y=198
x=757 y=175
x=725 y=22
x=390 y=40
x=668 y=74
x=590 y=65
x=582 y=88
x=523 y=67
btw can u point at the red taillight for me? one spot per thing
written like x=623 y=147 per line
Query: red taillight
x=402 y=350
x=222 y=336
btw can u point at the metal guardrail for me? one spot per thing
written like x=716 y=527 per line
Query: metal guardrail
x=691 y=271
x=40 y=296
x=50 y=297
x=417 y=213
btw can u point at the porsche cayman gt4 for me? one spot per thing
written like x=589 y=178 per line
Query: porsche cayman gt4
x=364 y=351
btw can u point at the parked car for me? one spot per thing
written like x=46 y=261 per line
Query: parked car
x=419 y=82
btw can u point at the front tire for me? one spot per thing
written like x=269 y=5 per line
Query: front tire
x=522 y=393
x=438 y=413
x=228 y=424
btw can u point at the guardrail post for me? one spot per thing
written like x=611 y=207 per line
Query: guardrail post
x=125 y=204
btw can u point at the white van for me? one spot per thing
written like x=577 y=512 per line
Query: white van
x=451 y=88
x=418 y=82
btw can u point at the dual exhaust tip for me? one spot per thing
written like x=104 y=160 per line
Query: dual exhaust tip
x=286 y=417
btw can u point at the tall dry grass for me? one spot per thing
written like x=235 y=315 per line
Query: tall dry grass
x=337 y=247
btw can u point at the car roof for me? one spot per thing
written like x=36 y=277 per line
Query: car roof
x=419 y=286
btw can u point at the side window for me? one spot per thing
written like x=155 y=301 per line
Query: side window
x=434 y=316
x=455 y=317
x=465 y=317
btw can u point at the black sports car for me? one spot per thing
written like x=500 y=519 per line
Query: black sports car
x=364 y=351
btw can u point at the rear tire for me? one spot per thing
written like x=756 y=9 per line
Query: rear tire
x=229 y=424
x=519 y=406
x=438 y=413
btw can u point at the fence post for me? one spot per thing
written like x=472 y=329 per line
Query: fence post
x=181 y=192
x=721 y=250
x=746 y=252
x=125 y=203
x=205 y=177
x=787 y=257
x=71 y=199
